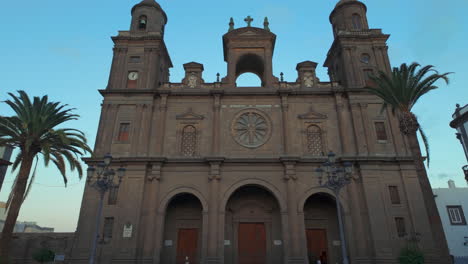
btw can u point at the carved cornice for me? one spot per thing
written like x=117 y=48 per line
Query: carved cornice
x=189 y=115
x=312 y=115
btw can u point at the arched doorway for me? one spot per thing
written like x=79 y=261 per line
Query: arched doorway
x=253 y=229
x=182 y=239
x=321 y=229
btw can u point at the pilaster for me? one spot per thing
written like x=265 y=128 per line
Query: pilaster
x=294 y=254
x=214 y=178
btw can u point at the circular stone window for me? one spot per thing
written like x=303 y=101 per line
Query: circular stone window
x=251 y=128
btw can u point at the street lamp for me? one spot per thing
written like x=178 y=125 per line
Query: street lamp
x=337 y=177
x=103 y=182
x=465 y=170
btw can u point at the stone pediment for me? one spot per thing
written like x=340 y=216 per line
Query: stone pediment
x=312 y=115
x=189 y=115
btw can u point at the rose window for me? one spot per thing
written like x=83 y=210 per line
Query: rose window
x=251 y=129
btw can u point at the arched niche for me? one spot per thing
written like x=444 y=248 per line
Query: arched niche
x=183 y=237
x=321 y=228
x=253 y=227
x=251 y=63
x=248 y=80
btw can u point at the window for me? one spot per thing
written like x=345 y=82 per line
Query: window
x=142 y=21
x=124 y=132
x=365 y=58
x=380 y=131
x=367 y=77
x=456 y=216
x=113 y=192
x=394 y=194
x=135 y=59
x=108 y=227
x=400 y=226
x=357 y=22
x=314 y=140
x=189 y=141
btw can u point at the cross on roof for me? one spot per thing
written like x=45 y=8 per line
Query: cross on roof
x=249 y=21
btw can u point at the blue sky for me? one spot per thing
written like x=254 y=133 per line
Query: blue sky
x=63 y=49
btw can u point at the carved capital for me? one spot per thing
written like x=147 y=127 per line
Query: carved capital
x=154 y=172
x=284 y=102
x=149 y=50
x=120 y=50
x=363 y=105
x=217 y=102
x=163 y=102
x=215 y=167
x=289 y=167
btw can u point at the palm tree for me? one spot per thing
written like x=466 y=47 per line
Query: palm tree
x=401 y=90
x=33 y=131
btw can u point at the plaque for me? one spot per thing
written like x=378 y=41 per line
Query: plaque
x=127 y=230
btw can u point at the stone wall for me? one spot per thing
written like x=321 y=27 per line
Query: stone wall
x=25 y=245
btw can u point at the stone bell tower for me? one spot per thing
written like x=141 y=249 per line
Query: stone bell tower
x=249 y=49
x=357 y=51
x=141 y=59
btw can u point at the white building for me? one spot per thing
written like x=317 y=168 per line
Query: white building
x=452 y=203
x=22 y=227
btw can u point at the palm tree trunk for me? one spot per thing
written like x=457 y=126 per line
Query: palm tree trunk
x=429 y=201
x=15 y=205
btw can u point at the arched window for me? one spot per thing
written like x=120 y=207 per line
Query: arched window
x=357 y=22
x=142 y=22
x=248 y=80
x=189 y=141
x=314 y=140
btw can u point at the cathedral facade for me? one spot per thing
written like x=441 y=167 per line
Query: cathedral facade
x=223 y=174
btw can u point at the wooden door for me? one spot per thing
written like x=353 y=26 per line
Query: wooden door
x=317 y=245
x=187 y=246
x=252 y=243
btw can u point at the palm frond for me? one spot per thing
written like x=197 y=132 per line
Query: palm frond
x=426 y=144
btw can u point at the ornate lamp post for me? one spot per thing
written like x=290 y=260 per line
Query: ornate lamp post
x=465 y=170
x=104 y=182
x=337 y=177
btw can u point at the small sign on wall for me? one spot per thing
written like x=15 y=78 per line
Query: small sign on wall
x=277 y=242
x=127 y=230
x=227 y=242
x=336 y=243
x=168 y=243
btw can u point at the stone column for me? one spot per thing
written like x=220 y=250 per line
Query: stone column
x=362 y=148
x=99 y=137
x=294 y=254
x=367 y=126
x=145 y=127
x=351 y=73
x=137 y=130
x=213 y=211
x=284 y=112
x=121 y=72
x=150 y=202
x=151 y=54
x=215 y=145
x=109 y=125
x=159 y=142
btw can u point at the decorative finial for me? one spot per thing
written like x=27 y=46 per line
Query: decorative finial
x=249 y=20
x=458 y=105
x=217 y=77
x=231 y=24
x=266 y=24
x=282 y=77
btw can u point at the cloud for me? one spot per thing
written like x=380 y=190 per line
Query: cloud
x=73 y=53
x=443 y=175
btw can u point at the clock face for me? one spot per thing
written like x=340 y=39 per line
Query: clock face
x=133 y=76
